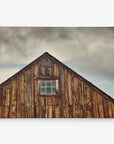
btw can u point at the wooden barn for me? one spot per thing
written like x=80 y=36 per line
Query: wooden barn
x=46 y=88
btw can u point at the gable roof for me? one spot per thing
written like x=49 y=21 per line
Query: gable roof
x=63 y=65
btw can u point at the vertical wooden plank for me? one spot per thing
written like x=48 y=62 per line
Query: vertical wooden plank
x=6 y=112
x=14 y=100
x=34 y=106
x=14 y=111
x=58 y=111
x=50 y=111
x=16 y=87
x=85 y=100
x=56 y=70
x=82 y=98
x=0 y=97
x=113 y=110
x=11 y=95
x=27 y=84
x=53 y=112
x=70 y=88
x=22 y=107
x=6 y=108
x=74 y=110
x=57 y=100
x=89 y=105
x=66 y=113
x=57 y=87
x=77 y=105
x=54 y=100
x=95 y=104
x=37 y=104
x=100 y=106
x=7 y=102
x=21 y=111
x=4 y=100
x=42 y=111
x=1 y=112
x=80 y=107
x=30 y=86
x=52 y=69
x=66 y=88
x=43 y=100
x=93 y=96
x=77 y=98
x=49 y=101
x=43 y=71
x=1 y=103
x=22 y=90
x=105 y=107
x=48 y=72
x=97 y=107
x=46 y=108
x=29 y=93
x=37 y=111
x=18 y=96
x=36 y=84
x=110 y=109
x=32 y=93
x=62 y=90
x=74 y=90
x=71 y=111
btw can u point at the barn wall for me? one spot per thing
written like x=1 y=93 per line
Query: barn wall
x=20 y=97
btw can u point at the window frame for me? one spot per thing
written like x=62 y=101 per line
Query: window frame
x=49 y=95
x=48 y=84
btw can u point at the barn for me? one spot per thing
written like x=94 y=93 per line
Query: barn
x=46 y=88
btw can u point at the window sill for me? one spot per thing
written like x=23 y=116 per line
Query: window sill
x=51 y=95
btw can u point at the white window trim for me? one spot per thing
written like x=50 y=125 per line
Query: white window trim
x=45 y=93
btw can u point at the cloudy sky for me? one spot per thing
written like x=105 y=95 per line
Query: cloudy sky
x=88 y=51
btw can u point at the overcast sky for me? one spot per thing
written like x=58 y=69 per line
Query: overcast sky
x=88 y=51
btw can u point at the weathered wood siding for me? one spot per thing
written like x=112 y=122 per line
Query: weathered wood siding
x=20 y=96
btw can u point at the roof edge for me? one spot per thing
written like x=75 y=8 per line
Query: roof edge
x=24 y=68
x=56 y=60
x=82 y=78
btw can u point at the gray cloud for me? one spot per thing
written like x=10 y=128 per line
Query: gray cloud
x=88 y=49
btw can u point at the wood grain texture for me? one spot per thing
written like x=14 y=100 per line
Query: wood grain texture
x=75 y=98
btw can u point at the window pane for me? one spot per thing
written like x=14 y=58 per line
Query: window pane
x=48 y=87
x=53 y=83
x=43 y=90
x=49 y=90
x=54 y=90
x=49 y=83
x=43 y=83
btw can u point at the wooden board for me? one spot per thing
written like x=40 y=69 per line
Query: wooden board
x=20 y=97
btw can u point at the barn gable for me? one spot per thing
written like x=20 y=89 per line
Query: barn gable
x=48 y=88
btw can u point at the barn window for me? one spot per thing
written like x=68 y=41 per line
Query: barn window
x=48 y=87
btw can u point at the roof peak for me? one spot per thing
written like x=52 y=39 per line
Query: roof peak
x=53 y=58
x=45 y=53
